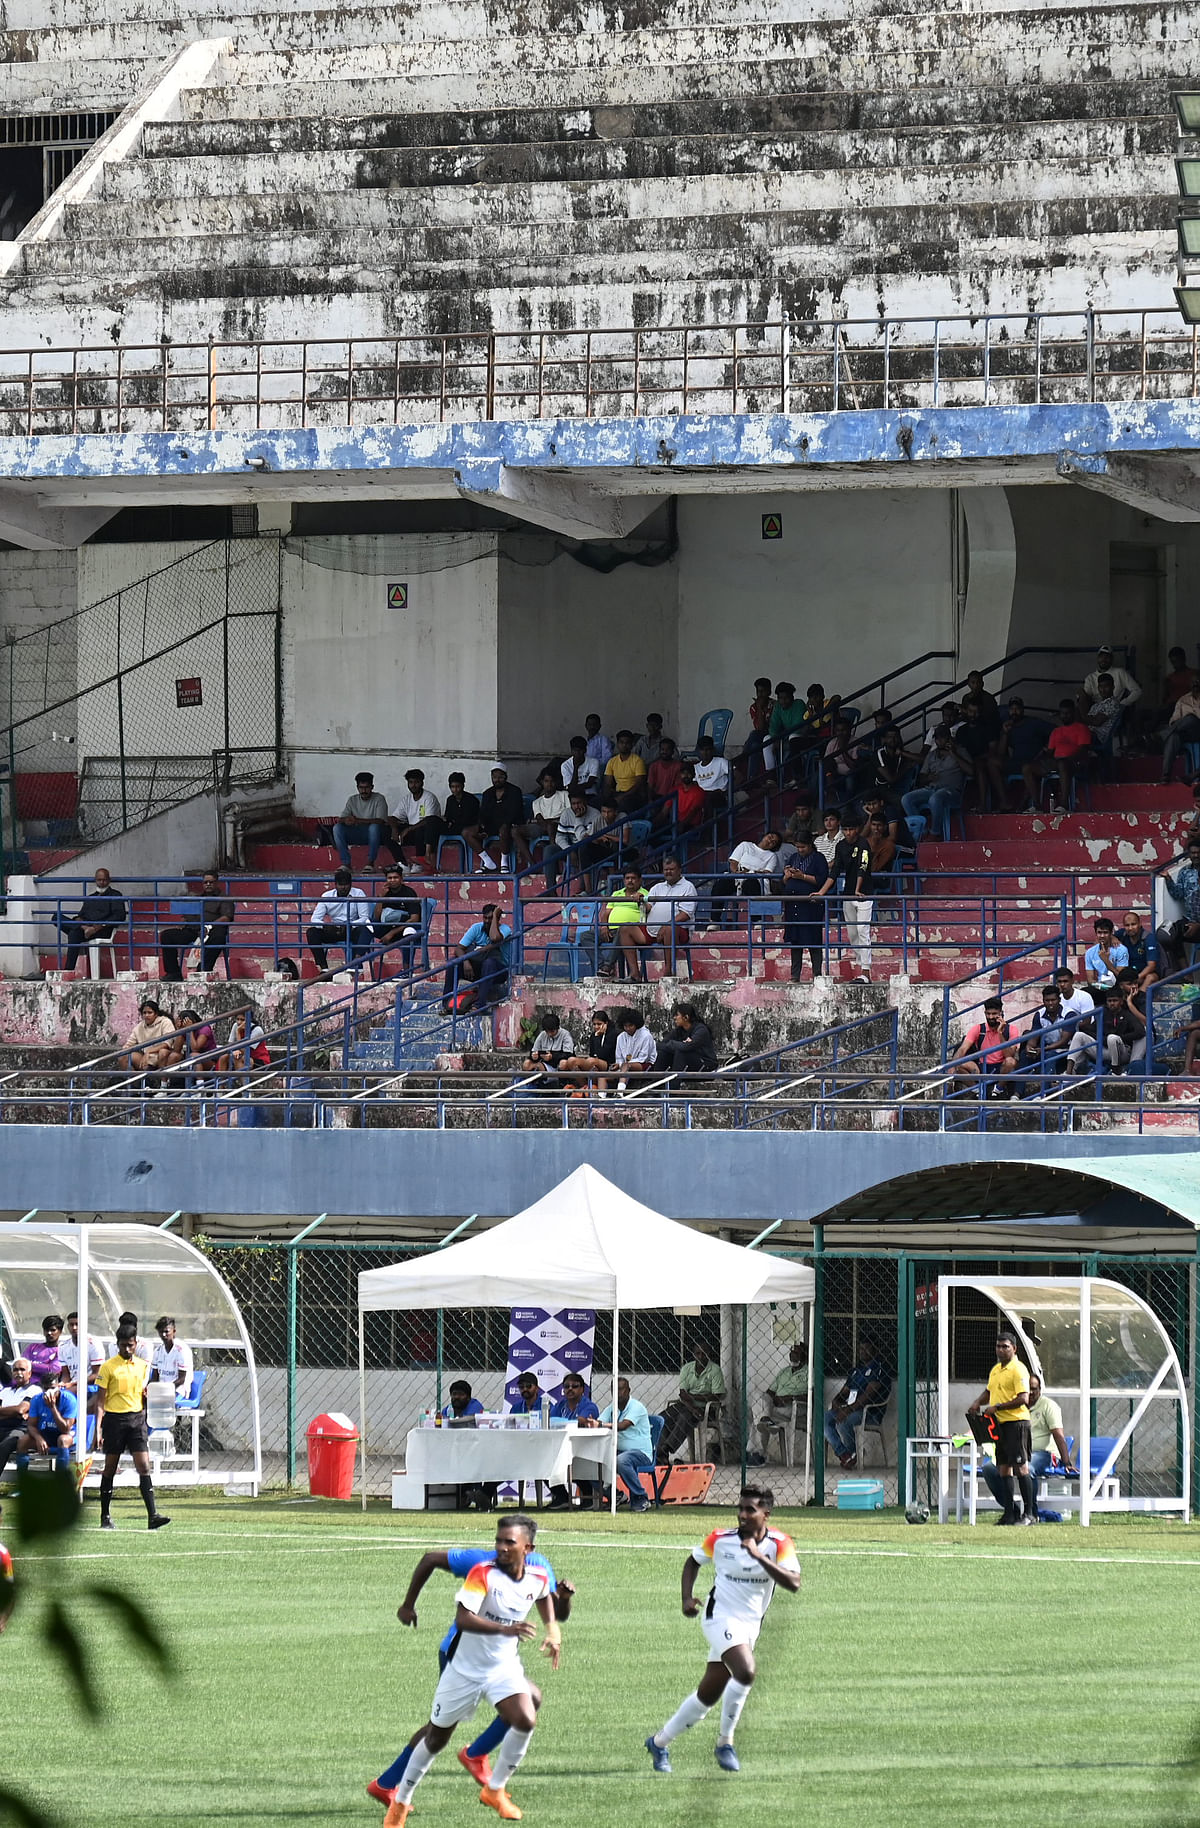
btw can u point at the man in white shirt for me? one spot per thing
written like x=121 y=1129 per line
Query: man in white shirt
x=577 y=825
x=418 y=817
x=637 y=1050
x=831 y=837
x=170 y=1359
x=712 y=773
x=581 y=770
x=1075 y=1002
x=68 y=1353
x=550 y=805
x=341 y=917
x=670 y=911
x=1126 y=689
x=751 y=868
x=1183 y=728
x=552 y=1045
x=15 y=1399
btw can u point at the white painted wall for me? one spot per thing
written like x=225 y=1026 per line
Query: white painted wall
x=38 y=589
x=861 y=582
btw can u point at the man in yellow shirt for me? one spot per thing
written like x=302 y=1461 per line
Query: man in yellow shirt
x=1006 y=1400
x=121 y=1420
x=625 y=776
x=623 y=928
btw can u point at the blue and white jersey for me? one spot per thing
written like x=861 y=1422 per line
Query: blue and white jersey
x=463 y=1560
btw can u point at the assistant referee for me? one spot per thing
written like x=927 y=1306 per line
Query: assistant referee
x=121 y=1419
x=1006 y=1399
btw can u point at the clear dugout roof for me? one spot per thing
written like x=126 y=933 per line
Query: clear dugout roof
x=133 y=1267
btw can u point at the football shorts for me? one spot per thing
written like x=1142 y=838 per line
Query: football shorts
x=457 y=1696
x=723 y=1630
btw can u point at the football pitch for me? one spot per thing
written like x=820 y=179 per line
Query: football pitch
x=922 y=1675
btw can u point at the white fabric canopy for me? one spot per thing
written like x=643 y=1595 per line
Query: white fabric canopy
x=585 y=1243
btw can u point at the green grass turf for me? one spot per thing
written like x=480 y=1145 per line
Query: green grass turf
x=932 y=1676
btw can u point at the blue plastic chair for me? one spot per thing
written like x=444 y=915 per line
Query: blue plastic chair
x=1192 y=752
x=195 y=1393
x=715 y=724
x=580 y=926
x=464 y=856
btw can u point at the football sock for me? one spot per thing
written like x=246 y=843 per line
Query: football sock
x=689 y=1713
x=146 y=1487
x=1028 y=1494
x=395 y=1771
x=106 y=1492
x=732 y=1702
x=1005 y=1493
x=491 y=1736
x=419 y=1762
x=512 y=1751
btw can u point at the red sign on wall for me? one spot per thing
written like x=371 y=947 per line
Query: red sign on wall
x=188 y=692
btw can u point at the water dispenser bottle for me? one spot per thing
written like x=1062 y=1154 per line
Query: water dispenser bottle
x=160 y=1418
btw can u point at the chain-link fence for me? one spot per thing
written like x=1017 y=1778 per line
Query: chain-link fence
x=129 y=705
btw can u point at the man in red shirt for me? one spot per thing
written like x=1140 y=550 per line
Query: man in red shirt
x=1067 y=749
x=690 y=800
x=662 y=776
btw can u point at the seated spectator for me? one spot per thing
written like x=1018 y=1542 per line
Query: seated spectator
x=1106 y=957
x=50 y=1428
x=1124 y=1034
x=598 y=746
x=43 y=1354
x=623 y=927
x=952 y=718
x=807 y=880
x=582 y=772
x=68 y=1354
x=1137 y=943
x=648 y=746
x=154 y=1044
x=198 y=1057
x=1043 y=1046
x=247 y=1046
x=548 y=808
x=418 y=818
x=477 y=976
x=819 y=714
x=1126 y=687
x=801 y=822
x=689 y=800
x=1104 y=713
x=528 y=1400
x=691 y=1048
x=597 y=1053
x=396 y=919
x=791 y=1381
x=574 y=1405
x=881 y=722
x=978 y=742
x=501 y=827
x=1022 y=740
x=893 y=766
x=577 y=826
x=842 y=761
x=670 y=911
x=341 y=917
x=862 y=1398
x=1076 y=1003
x=662 y=775
x=989 y=711
x=939 y=788
x=171 y=1361
x=786 y=730
x=217 y=913
x=831 y=833
x=364 y=820
x=712 y=774
x=636 y=1049
x=15 y=1399
x=1183 y=727
x=1175 y=936
x=552 y=1046
x=751 y=869
x=635 y=1453
x=700 y=1382
x=461 y=813
x=852 y=879
x=758 y=752
x=984 y=1050
x=881 y=845
x=99 y=915
x=1182 y=678
x=461 y=1403
x=624 y=787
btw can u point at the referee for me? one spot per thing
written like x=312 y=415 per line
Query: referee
x=121 y=1418
x=1006 y=1400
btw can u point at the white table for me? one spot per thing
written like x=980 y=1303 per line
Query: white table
x=479 y=1456
x=948 y=1457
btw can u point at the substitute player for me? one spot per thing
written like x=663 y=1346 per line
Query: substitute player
x=491 y=1619
x=1006 y=1400
x=748 y=1564
x=474 y=1757
x=121 y=1424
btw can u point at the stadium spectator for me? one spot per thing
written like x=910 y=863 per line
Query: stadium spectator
x=1124 y=1028
x=831 y=833
x=501 y=826
x=786 y=727
x=549 y=807
x=1006 y=1400
x=790 y=1382
x=461 y=812
x=50 y=1429
x=199 y=1041
x=364 y=820
x=1175 y=936
x=1068 y=747
x=802 y=820
x=989 y=711
x=689 y=799
x=807 y=879
x=1125 y=686
x=573 y=1406
x=635 y=1454
x=636 y=1050
x=670 y=912
x=977 y=738
x=893 y=766
x=1106 y=957
x=1043 y=1047
x=624 y=787
x=43 y=1353
x=247 y=1046
x=217 y=913
x=68 y=1353
x=341 y=917
x=623 y=927
x=578 y=825
x=863 y=1397
x=418 y=817
x=758 y=752
x=1183 y=727
x=598 y=746
x=552 y=1045
x=851 y=873
x=819 y=714
x=477 y=976
x=528 y=1400
x=690 y=1048
x=1077 y=1003
x=154 y=1043
x=939 y=786
x=952 y=717
x=880 y=843
x=581 y=772
x=751 y=868
x=649 y=744
x=842 y=761
x=462 y=1403
x=1182 y=678
x=1137 y=943
x=15 y=1399
x=1104 y=713
x=171 y=1361
x=712 y=774
x=1022 y=740
x=396 y=920
x=985 y=1049
x=700 y=1382
x=597 y=1054
x=98 y=916
x=662 y=775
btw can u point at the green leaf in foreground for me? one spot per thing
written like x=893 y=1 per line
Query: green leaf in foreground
x=137 y=1622
x=61 y=1637
x=15 y=1808
x=48 y=1505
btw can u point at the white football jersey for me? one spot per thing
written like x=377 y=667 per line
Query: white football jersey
x=494 y=1595
x=741 y=1588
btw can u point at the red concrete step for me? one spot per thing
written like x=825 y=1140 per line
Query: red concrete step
x=1144 y=850
x=1145 y=795
x=987 y=827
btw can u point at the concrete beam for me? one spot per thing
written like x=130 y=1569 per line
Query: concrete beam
x=24 y=522
x=1167 y=489
x=564 y=504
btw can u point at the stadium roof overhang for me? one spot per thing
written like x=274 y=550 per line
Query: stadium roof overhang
x=600 y=478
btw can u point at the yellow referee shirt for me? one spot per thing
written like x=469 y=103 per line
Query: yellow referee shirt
x=123 y=1381
x=1008 y=1386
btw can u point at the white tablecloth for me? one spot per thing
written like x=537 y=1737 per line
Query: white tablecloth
x=473 y=1456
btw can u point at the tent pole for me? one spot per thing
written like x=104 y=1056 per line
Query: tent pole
x=812 y=1415
x=81 y=1364
x=613 y=1467
x=362 y=1407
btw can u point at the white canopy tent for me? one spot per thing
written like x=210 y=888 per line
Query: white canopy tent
x=583 y=1244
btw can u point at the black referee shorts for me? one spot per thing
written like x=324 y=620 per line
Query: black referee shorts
x=1014 y=1443
x=124 y=1433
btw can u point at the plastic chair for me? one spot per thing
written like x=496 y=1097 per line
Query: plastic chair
x=710 y=1417
x=579 y=924
x=464 y=855
x=871 y=1427
x=787 y=1431
x=1192 y=752
x=852 y=715
x=195 y=1392
x=715 y=724
x=97 y=946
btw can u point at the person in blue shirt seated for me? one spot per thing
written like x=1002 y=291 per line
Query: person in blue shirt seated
x=1108 y=956
x=635 y=1450
x=51 y=1425
x=461 y=1401
x=862 y=1398
x=459 y=1562
x=477 y=976
x=574 y=1405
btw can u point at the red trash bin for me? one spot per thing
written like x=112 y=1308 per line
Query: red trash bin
x=332 y=1440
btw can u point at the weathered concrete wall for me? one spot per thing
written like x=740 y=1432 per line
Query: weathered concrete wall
x=38 y=589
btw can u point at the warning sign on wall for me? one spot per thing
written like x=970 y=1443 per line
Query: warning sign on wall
x=397 y=596
x=772 y=526
x=188 y=692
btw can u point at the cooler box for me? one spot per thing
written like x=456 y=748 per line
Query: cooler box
x=332 y=1440
x=860 y=1494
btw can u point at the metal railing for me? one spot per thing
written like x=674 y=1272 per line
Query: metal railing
x=789 y=366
